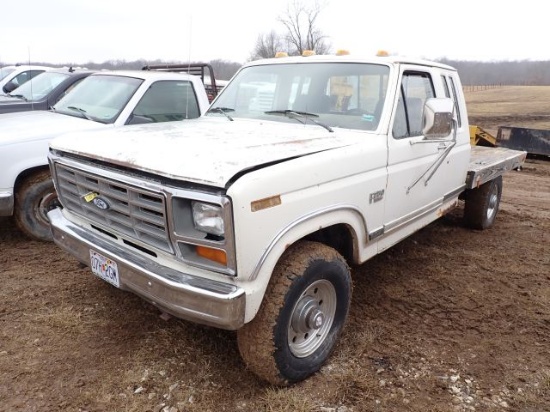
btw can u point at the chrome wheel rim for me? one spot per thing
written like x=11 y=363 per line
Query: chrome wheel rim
x=312 y=318
x=493 y=203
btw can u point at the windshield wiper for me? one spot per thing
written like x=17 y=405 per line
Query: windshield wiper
x=222 y=110
x=298 y=115
x=82 y=112
x=18 y=96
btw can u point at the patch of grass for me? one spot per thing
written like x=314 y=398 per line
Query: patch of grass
x=286 y=400
x=354 y=386
x=66 y=319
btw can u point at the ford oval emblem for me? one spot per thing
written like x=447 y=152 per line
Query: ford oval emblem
x=100 y=203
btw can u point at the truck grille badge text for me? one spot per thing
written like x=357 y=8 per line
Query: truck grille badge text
x=376 y=196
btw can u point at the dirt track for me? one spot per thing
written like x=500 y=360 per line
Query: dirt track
x=450 y=319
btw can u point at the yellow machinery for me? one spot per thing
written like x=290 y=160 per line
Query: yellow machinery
x=480 y=137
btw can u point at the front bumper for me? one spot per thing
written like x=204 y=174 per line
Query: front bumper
x=183 y=295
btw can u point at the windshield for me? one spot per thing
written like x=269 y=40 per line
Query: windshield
x=345 y=95
x=39 y=86
x=4 y=71
x=99 y=97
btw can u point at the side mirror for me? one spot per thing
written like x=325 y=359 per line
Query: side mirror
x=10 y=87
x=438 y=118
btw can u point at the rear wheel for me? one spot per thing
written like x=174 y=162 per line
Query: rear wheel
x=302 y=315
x=35 y=197
x=482 y=204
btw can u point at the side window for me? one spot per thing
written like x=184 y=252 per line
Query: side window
x=167 y=101
x=416 y=88
x=24 y=77
x=445 y=86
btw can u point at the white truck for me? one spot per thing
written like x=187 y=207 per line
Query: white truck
x=103 y=100
x=249 y=217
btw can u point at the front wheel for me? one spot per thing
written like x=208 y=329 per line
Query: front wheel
x=34 y=198
x=302 y=315
x=482 y=204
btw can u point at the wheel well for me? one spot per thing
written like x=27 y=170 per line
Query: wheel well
x=339 y=237
x=26 y=173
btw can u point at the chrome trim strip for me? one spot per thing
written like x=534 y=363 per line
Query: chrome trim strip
x=7 y=202
x=417 y=214
x=297 y=222
x=454 y=193
x=422 y=212
x=376 y=233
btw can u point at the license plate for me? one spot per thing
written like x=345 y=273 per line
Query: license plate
x=104 y=268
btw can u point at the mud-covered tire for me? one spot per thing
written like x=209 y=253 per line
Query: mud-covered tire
x=303 y=313
x=482 y=204
x=34 y=198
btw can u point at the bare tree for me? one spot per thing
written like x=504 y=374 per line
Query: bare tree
x=302 y=32
x=267 y=45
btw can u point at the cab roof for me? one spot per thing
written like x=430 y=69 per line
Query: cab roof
x=389 y=60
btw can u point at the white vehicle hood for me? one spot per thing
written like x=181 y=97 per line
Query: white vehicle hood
x=207 y=150
x=38 y=125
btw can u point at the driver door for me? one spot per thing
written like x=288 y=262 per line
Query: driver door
x=418 y=181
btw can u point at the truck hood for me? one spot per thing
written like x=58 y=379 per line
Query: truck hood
x=38 y=125
x=207 y=151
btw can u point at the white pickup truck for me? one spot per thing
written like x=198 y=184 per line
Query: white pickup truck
x=103 y=100
x=249 y=217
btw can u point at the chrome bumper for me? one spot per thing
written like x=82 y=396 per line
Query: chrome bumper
x=6 y=204
x=185 y=296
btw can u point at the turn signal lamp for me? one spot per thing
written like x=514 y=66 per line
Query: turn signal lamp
x=215 y=255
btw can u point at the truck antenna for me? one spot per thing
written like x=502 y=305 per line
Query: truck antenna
x=30 y=74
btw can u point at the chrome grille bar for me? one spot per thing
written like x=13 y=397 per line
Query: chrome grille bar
x=133 y=211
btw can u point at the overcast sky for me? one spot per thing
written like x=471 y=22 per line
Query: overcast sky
x=77 y=31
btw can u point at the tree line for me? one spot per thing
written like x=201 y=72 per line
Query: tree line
x=521 y=72
x=472 y=73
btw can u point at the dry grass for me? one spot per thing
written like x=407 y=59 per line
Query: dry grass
x=509 y=101
x=518 y=106
x=286 y=400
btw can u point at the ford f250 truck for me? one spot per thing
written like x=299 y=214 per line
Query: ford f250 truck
x=250 y=217
x=103 y=100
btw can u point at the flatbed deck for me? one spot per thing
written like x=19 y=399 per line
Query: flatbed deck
x=486 y=163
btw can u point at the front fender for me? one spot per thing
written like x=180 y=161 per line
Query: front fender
x=348 y=215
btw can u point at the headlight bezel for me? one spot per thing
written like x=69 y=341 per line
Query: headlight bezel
x=187 y=238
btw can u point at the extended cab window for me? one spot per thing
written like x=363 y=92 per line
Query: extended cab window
x=416 y=88
x=455 y=99
x=166 y=101
x=448 y=85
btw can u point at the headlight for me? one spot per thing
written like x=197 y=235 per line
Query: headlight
x=208 y=218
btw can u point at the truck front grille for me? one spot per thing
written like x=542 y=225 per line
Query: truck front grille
x=132 y=211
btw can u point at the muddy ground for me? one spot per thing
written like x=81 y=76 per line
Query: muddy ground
x=449 y=320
